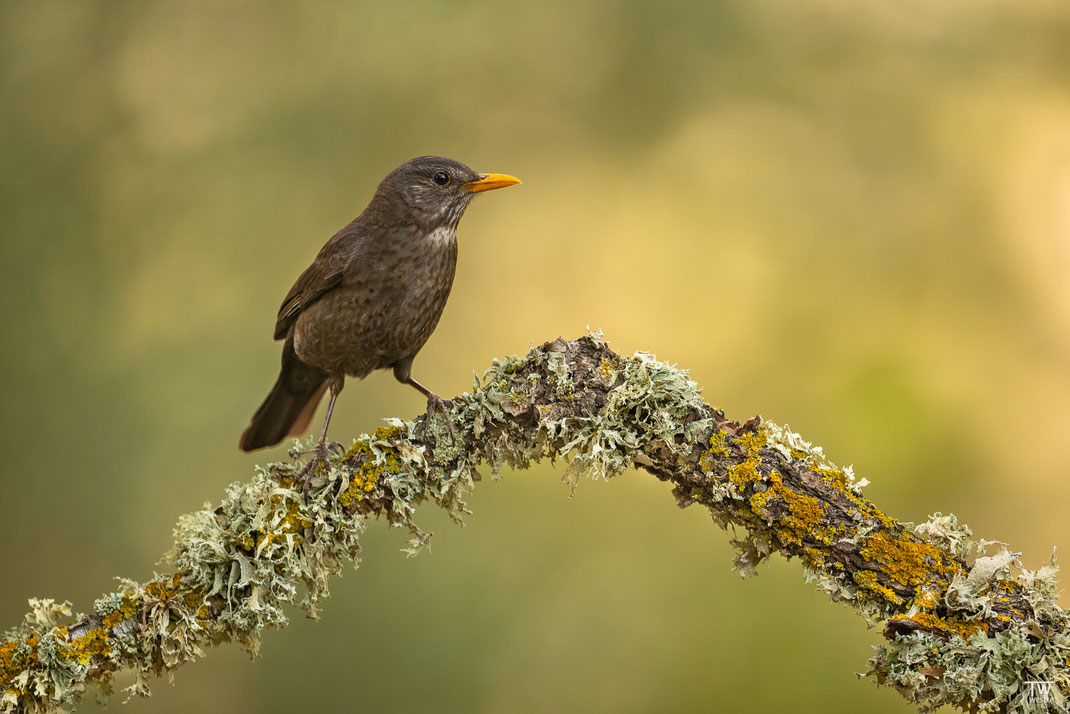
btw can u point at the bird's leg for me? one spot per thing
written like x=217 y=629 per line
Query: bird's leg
x=322 y=450
x=434 y=402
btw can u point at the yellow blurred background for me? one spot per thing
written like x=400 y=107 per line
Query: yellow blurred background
x=853 y=217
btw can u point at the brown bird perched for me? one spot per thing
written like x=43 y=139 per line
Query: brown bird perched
x=370 y=299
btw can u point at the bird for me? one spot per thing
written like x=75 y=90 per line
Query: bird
x=370 y=299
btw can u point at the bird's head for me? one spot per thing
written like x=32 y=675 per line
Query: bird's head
x=435 y=191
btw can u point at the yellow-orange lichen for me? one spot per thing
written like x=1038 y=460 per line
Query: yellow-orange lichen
x=12 y=662
x=93 y=643
x=870 y=588
x=164 y=588
x=292 y=523
x=716 y=451
x=947 y=626
x=926 y=600
x=905 y=560
x=372 y=467
x=746 y=471
x=813 y=557
x=800 y=517
x=804 y=519
x=170 y=591
x=127 y=608
x=606 y=369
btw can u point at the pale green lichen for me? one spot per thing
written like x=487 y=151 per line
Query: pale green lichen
x=947 y=533
x=643 y=412
x=793 y=446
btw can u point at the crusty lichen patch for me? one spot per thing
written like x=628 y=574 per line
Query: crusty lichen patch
x=906 y=561
x=375 y=458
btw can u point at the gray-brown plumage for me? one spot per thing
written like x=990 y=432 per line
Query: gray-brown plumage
x=371 y=298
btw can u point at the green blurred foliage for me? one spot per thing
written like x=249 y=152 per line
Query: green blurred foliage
x=850 y=216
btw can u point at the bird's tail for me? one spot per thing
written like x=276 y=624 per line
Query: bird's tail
x=289 y=408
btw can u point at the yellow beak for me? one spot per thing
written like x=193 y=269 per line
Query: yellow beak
x=488 y=182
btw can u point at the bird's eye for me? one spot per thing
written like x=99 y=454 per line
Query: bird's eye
x=441 y=178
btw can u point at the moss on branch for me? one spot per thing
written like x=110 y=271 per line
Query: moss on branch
x=964 y=623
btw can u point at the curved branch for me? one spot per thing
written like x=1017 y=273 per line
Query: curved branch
x=962 y=627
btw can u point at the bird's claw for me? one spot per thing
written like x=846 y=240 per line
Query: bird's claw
x=437 y=403
x=320 y=454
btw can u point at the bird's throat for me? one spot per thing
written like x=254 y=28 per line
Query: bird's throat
x=442 y=237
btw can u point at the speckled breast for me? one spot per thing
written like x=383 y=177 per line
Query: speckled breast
x=381 y=313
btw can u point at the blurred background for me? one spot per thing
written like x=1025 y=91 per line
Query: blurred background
x=853 y=217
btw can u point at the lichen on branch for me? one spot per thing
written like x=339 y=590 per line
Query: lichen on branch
x=964 y=623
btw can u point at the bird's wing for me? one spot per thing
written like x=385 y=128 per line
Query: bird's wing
x=324 y=274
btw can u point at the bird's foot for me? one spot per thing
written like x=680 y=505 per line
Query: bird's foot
x=320 y=454
x=436 y=403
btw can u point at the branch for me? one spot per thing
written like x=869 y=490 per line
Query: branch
x=962 y=626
